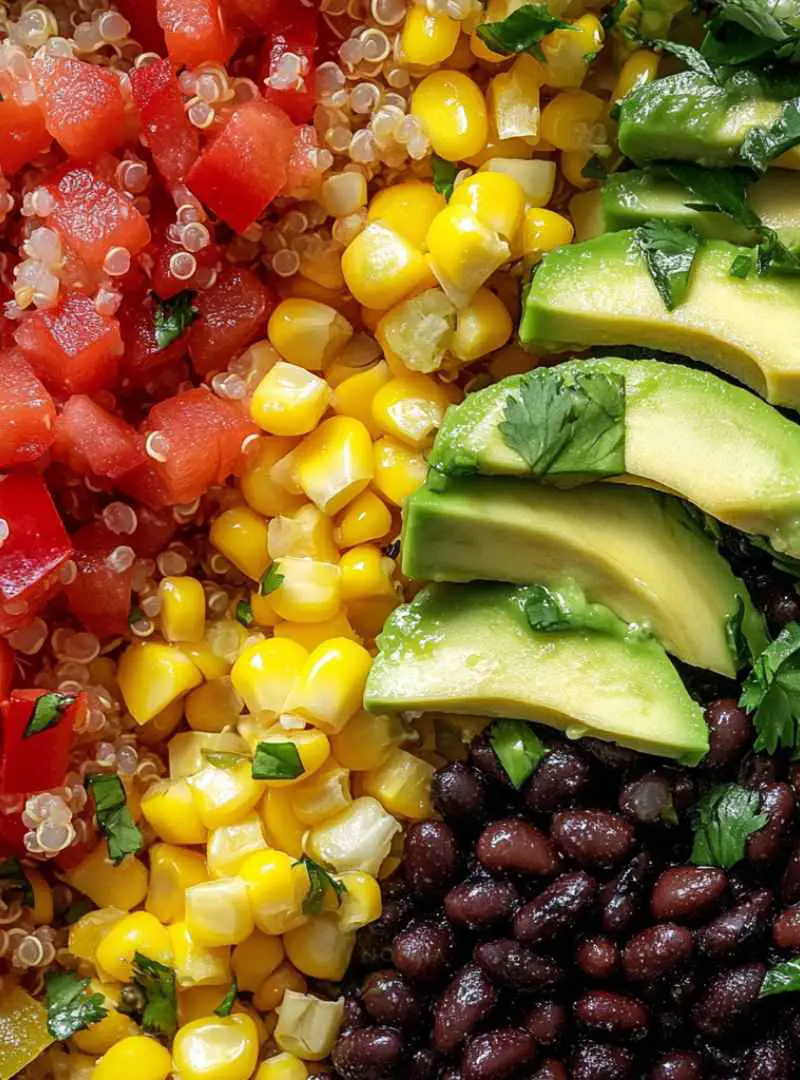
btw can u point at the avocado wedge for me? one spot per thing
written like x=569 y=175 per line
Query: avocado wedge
x=637 y=552
x=685 y=431
x=470 y=649
x=600 y=293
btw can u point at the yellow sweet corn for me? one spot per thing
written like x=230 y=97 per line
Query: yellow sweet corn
x=290 y=400
x=353 y=396
x=514 y=100
x=170 y=811
x=284 y=831
x=410 y=408
x=361 y=903
x=224 y=795
x=399 y=470
x=152 y=676
x=277 y=886
x=87 y=933
x=408 y=209
x=641 y=67
x=284 y=472
x=330 y=685
x=138 y=932
x=123 y=886
x=368 y=616
x=262 y=492
x=574 y=120
x=496 y=200
x=416 y=334
x=282 y=1067
x=366 y=572
x=452 y=110
x=366 y=741
x=536 y=178
x=264 y=613
x=428 y=40
x=213 y=706
x=568 y=52
x=544 y=230
x=366 y=518
x=381 y=267
x=137 y=1056
x=102 y=1035
x=307 y=1025
x=265 y=672
x=464 y=252
x=572 y=163
x=402 y=785
x=230 y=845
x=196 y=964
x=334 y=463
x=216 y=1048
x=196 y=1002
x=256 y=958
x=309 y=635
x=172 y=870
x=308 y=333
x=219 y=912
x=358 y=838
x=187 y=750
x=307 y=533
x=483 y=326
x=310 y=591
x=210 y=664
x=325 y=794
x=270 y=993
x=42 y=909
x=163 y=724
x=183 y=609
x=240 y=534
x=320 y=948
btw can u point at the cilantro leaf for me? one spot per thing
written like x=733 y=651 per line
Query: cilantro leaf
x=783 y=978
x=69 y=1007
x=692 y=58
x=567 y=424
x=113 y=817
x=594 y=169
x=772 y=691
x=77 y=909
x=519 y=749
x=741 y=31
x=13 y=877
x=221 y=759
x=669 y=253
x=761 y=144
x=46 y=713
x=244 y=613
x=135 y=615
x=157 y=982
x=723 y=819
x=741 y=265
x=522 y=31
x=612 y=16
x=272 y=580
x=552 y=611
x=319 y=881
x=173 y=317
x=723 y=190
x=225 y=1007
x=444 y=175
x=277 y=761
x=737 y=641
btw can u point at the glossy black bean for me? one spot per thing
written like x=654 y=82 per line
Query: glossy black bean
x=556 y=910
x=508 y=963
x=424 y=953
x=687 y=893
x=422 y=1065
x=786 y=929
x=497 y=1055
x=727 y=1000
x=608 y=1015
x=621 y=899
x=592 y=838
x=354 y=1015
x=483 y=758
x=730 y=733
x=468 y=1000
x=514 y=846
x=374 y=942
x=547 y=1022
x=431 y=858
x=611 y=755
x=655 y=952
x=599 y=1061
x=782 y=606
x=772 y=1058
x=647 y=799
x=756 y=769
x=369 y=1053
x=597 y=957
x=551 y=1070
x=459 y=794
x=558 y=781
x=735 y=928
x=390 y=1001
x=766 y=845
x=678 y=1065
x=481 y=902
x=790 y=882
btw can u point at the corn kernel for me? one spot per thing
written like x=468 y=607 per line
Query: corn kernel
x=209 y=663
x=164 y=723
x=213 y=706
x=322 y=796
x=277 y=886
x=270 y=993
x=568 y=52
x=307 y=533
x=514 y=100
x=399 y=470
x=415 y=335
x=183 y=609
x=263 y=493
x=289 y=400
x=172 y=871
x=307 y=1025
x=464 y=252
x=99 y=1037
x=381 y=267
x=284 y=472
x=366 y=741
x=544 y=230
x=187 y=750
x=137 y=1056
x=358 y=838
x=496 y=200
x=219 y=912
x=310 y=635
x=366 y=572
x=334 y=463
x=140 y=932
x=223 y=795
x=572 y=163
x=573 y=120
x=408 y=209
x=169 y=810
x=216 y=1048
x=229 y=845
x=641 y=67
x=308 y=333
x=353 y=396
x=319 y=948
x=123 y=886
x=330 y=685
x=241 y=536
x=196 y=1002
x=483 y=326
x=428 y=40
x=452 y=110
x=366 y=518
x=284 y=830
x=152 y=676
x=310 y=591
x=87 y=933
x=410 y=408
x=312 y=746
x=402 y=784
x=196 y=964
x=282 y=1067
x=256 y=958
x=536 y=178
x=361 y=904
x=265 y=672
x=368 y=616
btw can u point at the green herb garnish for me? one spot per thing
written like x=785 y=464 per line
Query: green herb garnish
x=319 y=882
x=772 y=692
x=13 y=878
x=69 y=1007
x=522 y=31
x=113 y=817
x=518 y=748
x=244 y=613
x=669 y=253
x=783 y=978
x=737 y=640
x=761 y=145
x=444 y=175
x=225 y=1007
x=272 y=580
x=277 y=761
x=46 y=712
x=173 y=317
x=157 y=982
x=723 y=820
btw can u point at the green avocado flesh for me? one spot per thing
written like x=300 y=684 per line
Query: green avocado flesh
x=635 y=551
x=600 y=293
x=470 y=649
x=686 y=432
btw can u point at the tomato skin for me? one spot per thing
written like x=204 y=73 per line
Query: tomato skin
x=27 y=412
x=92 y=440
x=195 y=31
x=7 y=669
x=141 y=14
x=100 y=595
x=244 y=167
x=142 y=351
x=83 y=106
x=232 y=314
x=293 y=30
x=174 y=143
x=154 y=530
x=38 y=762
x=72 y=347
x=23 y=135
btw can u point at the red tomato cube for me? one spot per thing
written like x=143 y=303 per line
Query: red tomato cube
x=142 y=352
x=23 y=135
x=83 y=106
x=72 y=347
x=294 y=35
x=27 y=412
x=258 y=13
x=35 y=547
x=242 y=170
x=232 y=314
x=100 y=595
x=92 y=440
x=195 y=31
x=141 y=14
x=174 y=143
x=37 y=762
x=93 y=217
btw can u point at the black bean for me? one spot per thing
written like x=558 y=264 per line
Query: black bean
x=513 y=846
x=422 y=1065
x=655 y=952
x=483 y=758
x=621 y=898
x=551 y=1070
x=612 y=1016
x=496 y=1055
x=730 y=732
x=599 y=1061
x=782 y=606
x=647 y=799
x=786 y=929
x=687 y=893
x=771 y=1058
x=374 y=942
x=354 y=1015
x=481 y=902
x=557 y=909
x=558 y=780
x=389 y=999
x=508 y=963
x=611 y=755
x=452 y=1072
x=467 y=1002
x=790 y=882
x=370 y=1053
x=424 y=952
x=547 y=1022
x=727 y=1000
x=735 y=928
x=592 y=838
x=756 y=769
x=597 y=956
x=431 y=858
x=459 y=794
x=764 y=847
x=678 y=1065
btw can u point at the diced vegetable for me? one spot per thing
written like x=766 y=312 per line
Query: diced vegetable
x=289 y=49
x=83 y=106
x=23 y=134
x=92 y=440
x=36 y=760
x=172 y=140
x=232 y=313
x=27 y=412
x=100 y=595
x=195 y=31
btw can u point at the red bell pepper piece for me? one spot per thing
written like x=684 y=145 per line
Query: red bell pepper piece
x=92 y=440
x=233 y=312
x=27 y=412
x=288 y=59
x=100 y=595
x=83 y=106
x=36 y=762
x=34 y=550
x=174 y=143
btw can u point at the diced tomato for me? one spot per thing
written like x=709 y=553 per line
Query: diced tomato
x=12 y=834
x=195 y=31
x=174 y=143
x=232 y=314
x=92 y=440
x=27 y=412
x=7 y=669
x=164 y=282
x=142 y=351
x=93 y=217
x=258 y=13
x=72 y=347
x=201 y=441
x=83 y=106
x=154 y=530
x=293 y=34
x=36 y=762
x=34 y=550
x=242 y=170
x=100 y=595
x=23 y=135
x=301 y=171
x=141 y=14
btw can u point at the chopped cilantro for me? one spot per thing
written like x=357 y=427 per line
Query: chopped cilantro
x=737 y=641
x=723 y=819
x=669 y=253
x=444 y=175
x=761 y=145
x=277 y=761
x=319 y=881
x=783 y=978
x=157 y=982
x=226 y=1005
x=772 y=692
x=46 y=712
x=244 y=613
x=521 y=31
x=272 y=580
x=173 y=317
x=113 y=817
x=518 y=748
x=741 y=265
x=69 y=1007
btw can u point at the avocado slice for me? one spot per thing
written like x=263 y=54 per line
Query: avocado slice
x=600 y=293
x=685 y=432
x=637 y=552
x=471 y=649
